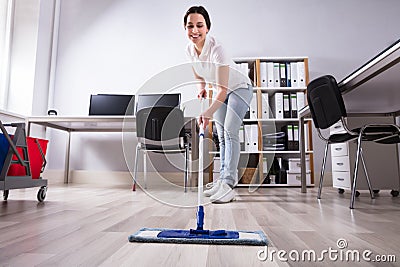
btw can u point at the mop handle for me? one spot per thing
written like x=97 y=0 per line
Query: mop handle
x=201 y=157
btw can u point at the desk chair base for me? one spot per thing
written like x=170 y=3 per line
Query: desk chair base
x=139 y=148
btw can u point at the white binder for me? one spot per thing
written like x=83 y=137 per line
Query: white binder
x=251 y=137
x=293 y=74
x=300 y=100
x=277 y=105
x=277 y=77
x=270 y=74
x=253 y=107
x=263 y=74
x=301 y=74
x=264 y=106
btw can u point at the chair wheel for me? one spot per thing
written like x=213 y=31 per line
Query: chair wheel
x=42 y=194
x=340 y=190
x=394 y=193
x=357 y=194
x=5 y=194
x=376 y=191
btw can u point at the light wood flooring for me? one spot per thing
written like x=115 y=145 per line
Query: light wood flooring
x=84 y=225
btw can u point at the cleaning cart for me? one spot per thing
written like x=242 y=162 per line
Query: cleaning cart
x=17 y=170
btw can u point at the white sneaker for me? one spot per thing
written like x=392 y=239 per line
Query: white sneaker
x=225 y=194
x=213 y=189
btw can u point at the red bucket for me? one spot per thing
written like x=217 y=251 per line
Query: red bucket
x=35 y=158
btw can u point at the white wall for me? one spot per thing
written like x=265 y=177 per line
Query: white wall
x=117 y=45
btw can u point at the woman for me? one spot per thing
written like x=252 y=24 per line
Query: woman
x=233 y=95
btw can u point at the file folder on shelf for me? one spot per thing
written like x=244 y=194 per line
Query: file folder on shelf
x=295 y=137
x=270 y=74
x=293 y=74
x=277 y=77
x=251 y=137
x=288 y=75
x=277 y=105
x=293 y=105
x=282 y=72
x=301 y=74
x=286 y=106
x=263 y=74
x=264 y=106
x=288 y=129
x=253 y=107
x=300 y=96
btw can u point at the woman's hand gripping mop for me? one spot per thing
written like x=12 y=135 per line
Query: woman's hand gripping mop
x=200 y=235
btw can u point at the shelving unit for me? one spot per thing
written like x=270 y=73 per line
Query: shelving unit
x=265 y=158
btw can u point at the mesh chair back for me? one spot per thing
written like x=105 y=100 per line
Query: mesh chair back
x=325 y=101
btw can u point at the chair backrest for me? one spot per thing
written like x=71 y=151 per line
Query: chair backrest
x=160 y=123
x=157 y=100
x=325 y=101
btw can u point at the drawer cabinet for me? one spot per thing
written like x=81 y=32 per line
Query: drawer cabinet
x=381 y=160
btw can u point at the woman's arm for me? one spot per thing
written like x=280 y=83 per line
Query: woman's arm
x=201 y=85
x=222 y=77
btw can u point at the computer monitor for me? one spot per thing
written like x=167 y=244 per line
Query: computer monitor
x=158 y=100
x=111 y=105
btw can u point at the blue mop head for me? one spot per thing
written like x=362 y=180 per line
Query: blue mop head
x=218 y=237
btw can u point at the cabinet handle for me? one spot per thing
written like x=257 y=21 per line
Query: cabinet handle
x=340 y=164
x=337 y=126
x=338 y=148
x=341 y=179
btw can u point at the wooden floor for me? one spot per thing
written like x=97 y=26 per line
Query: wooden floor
x=81 y=225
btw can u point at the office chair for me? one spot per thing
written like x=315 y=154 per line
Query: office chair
x=327 y=107
x=160 y=129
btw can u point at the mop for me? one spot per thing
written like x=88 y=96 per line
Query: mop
x=199 y=235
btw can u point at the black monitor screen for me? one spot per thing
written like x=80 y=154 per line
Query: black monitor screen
x=109 y=104
x=158 y=100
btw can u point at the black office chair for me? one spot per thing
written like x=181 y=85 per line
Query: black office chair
x=160 y=129
x=327 y=107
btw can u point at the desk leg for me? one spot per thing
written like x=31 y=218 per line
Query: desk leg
x=67 y=154
x=302 y=157
x=194 y=174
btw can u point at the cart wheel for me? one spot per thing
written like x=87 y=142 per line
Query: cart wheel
x=340 y=190
x=357 y=194
x=394 y=193
x=42 y=194
x=376 y=191
x=5 y=194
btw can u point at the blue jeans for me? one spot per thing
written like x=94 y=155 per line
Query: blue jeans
x=228 y=119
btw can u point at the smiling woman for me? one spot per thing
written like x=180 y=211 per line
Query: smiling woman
x=211 y=65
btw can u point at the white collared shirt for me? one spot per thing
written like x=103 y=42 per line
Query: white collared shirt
x=212 y=56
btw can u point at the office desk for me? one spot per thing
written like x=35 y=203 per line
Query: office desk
x=102 y=124
x=371 y=90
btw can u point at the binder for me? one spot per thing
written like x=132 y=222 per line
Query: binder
x=288 y=129
x=301 y=102
x=295 y=137
x=306 y=145
x=301 y=74
x=288 y=75
x=293 y=74
x=277 y=105
x=217 y=164
x=264 y=106
x=277 y=77
x=254 y=137
x=293 y=105
x=263 y=74
x=270 y=74
x=282 y=72
x=251 y=137
x=253 y=107
x=286 y=106
x=241 y=138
